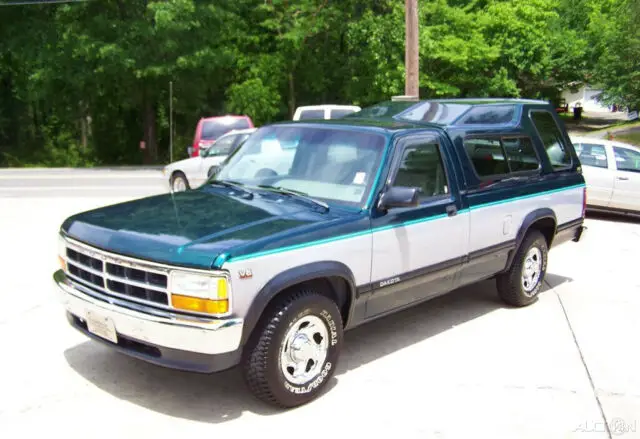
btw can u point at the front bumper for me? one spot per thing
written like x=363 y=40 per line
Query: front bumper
x=161 y=337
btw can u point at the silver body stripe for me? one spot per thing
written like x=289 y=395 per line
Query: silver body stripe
x=408 y=248
x=385 y=253
x=500 y=223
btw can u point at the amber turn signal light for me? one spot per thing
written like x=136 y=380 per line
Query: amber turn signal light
x=198 y=304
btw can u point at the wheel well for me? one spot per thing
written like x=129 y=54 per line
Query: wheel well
x=335 y=288
x=546 y=226
x=177 y=172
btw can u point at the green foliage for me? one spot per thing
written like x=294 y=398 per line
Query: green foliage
x=90 y=80
x=254 y=98
x=616 y=41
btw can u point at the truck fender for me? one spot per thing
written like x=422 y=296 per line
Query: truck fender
x=531 y=218
x=294 y=276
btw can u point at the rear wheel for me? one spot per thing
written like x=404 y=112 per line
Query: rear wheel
x=179 y=182
x=295 y=351
x=521 y=284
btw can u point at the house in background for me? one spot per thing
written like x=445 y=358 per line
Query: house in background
x=587 y=97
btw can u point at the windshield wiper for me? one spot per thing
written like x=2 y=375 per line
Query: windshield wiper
x=295 y=193
x=233 y=185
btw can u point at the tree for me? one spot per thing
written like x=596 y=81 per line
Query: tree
x=616 y=40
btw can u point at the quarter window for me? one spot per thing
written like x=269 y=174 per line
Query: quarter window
x=421 y=166
x=520 y=154
x=627 y=159
x=552 y=139
x=487 y=156
x=497 y=157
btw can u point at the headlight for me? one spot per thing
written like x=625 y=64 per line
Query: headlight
x=200 y=293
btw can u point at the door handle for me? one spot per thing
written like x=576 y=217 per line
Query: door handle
x=623 y=178
x=452 y=210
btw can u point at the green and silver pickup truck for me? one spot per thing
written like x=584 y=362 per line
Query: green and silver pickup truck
x=315 y=227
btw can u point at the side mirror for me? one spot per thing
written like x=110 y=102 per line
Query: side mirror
x=400 y=196
x=202 y=152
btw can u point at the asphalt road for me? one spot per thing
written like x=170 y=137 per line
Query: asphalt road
x=38 y=183
x=460 y=366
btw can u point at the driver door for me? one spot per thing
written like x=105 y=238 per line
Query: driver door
x=417 y=251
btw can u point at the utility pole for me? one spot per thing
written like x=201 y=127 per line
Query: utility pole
x=412 y=58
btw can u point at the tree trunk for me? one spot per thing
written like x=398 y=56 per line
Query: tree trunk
x=292 y=95
x=84 y=128
x=151 y=147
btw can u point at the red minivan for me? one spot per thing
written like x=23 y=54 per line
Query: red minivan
x=210 y=128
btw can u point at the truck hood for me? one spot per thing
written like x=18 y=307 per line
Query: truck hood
x=191 y=228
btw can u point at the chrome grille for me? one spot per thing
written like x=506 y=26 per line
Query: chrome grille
x=121 y=279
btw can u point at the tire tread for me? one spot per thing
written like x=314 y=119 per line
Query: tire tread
x=508 y=283
x=255 y=365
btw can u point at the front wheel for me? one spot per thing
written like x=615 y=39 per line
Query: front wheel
x=295 y=351
x=521 y=284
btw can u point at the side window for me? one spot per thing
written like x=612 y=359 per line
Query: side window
x=627 y=159
x=488 y=115
x=421 y=166
x=487 y=156
x=592 y=155
x=312 y=114
x=552 y=140
x=340 y=113
x=520 y=154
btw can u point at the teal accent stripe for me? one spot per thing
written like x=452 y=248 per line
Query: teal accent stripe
x=298 y=246
x=524 y=197
x=388 y=227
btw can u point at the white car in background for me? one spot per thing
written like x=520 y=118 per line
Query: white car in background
x=324 y=111
x=612 y=173
x=194 y=171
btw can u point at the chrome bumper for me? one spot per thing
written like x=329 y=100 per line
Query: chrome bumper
x=160 y=328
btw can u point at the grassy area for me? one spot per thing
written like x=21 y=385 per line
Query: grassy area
x=632 y=138
x=623 y=124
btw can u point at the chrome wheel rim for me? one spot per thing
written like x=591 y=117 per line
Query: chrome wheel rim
x=304 y=350
x=531 y=270
x=179 y=184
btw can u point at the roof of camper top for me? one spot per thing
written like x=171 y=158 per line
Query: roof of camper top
x=396 y=115
x=448 y=112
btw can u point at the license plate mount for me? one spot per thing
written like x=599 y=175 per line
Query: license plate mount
x=101 y=326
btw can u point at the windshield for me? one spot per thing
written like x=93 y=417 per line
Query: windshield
x=329 y=164
x=212 y=129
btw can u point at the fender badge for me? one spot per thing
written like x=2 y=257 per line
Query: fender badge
x=245 y=273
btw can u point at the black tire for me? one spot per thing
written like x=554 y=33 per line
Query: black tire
x=175 y=177
x=510 y=284
x=262 y=372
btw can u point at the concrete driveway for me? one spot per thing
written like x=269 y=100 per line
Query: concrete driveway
x=459 y=366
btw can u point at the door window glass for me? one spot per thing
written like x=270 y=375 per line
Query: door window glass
x=627 y=159
x=592 y=155
x=421 y=166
